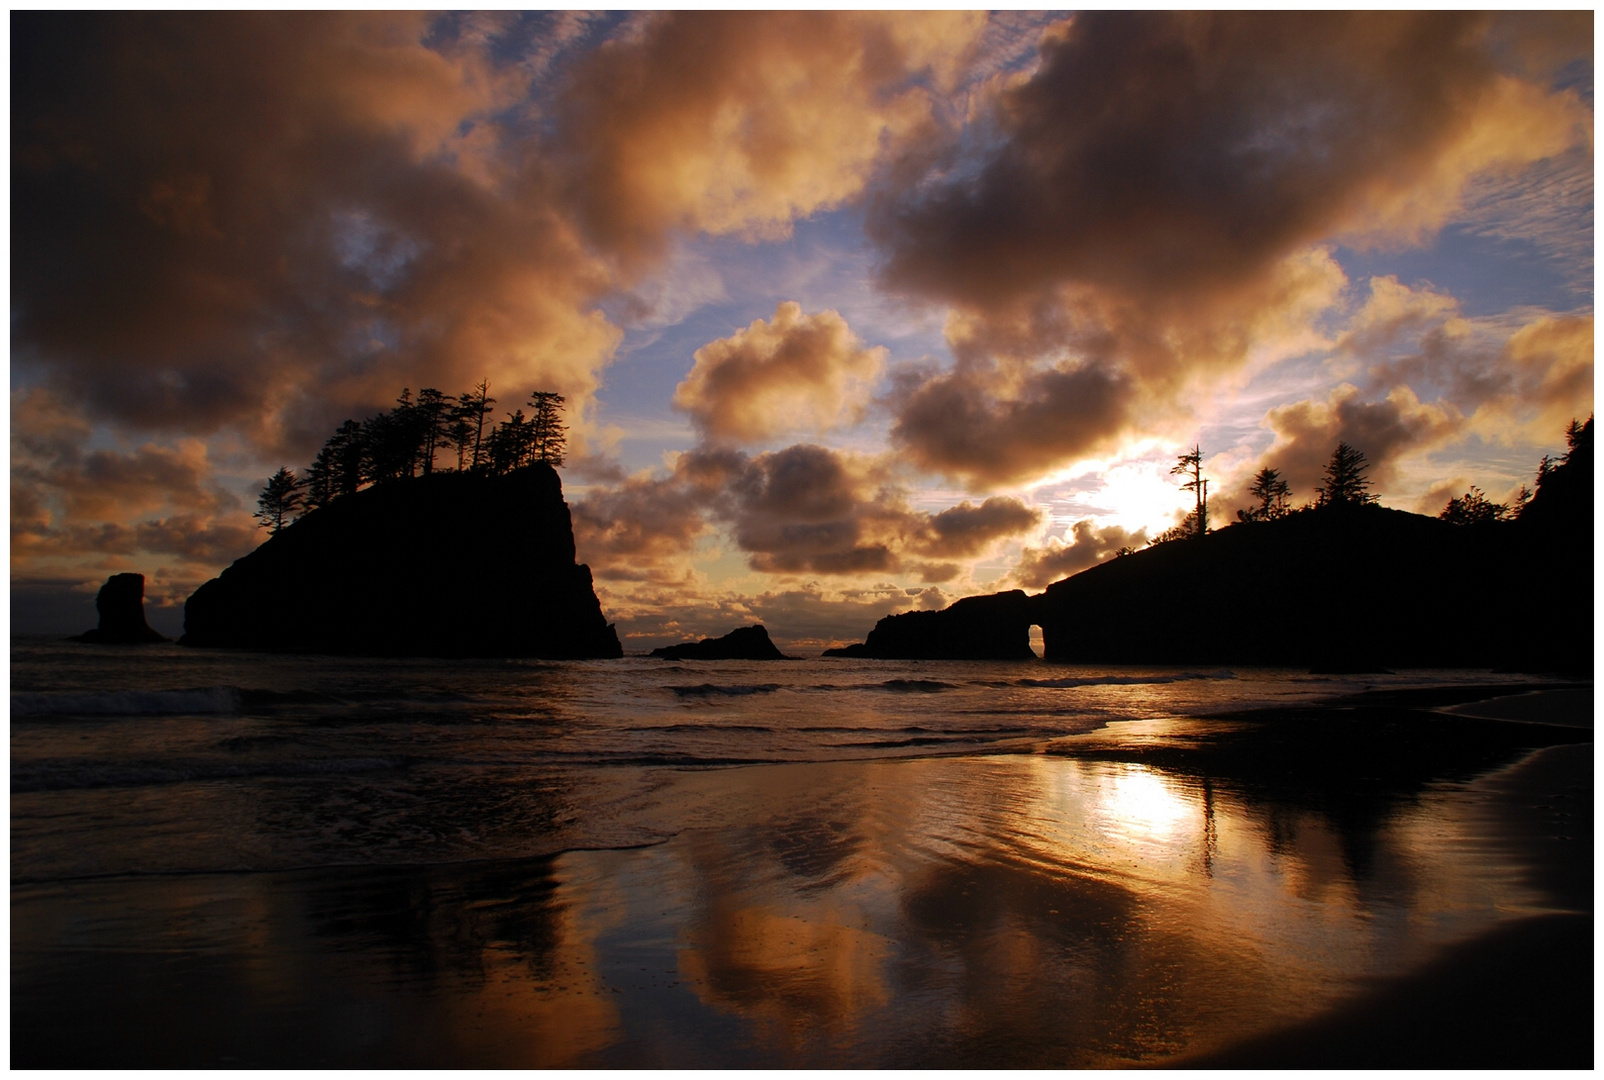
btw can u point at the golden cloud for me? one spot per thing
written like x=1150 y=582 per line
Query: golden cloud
x=741 y=122
x=796 y=373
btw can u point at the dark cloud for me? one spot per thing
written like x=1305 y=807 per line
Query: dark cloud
x=739 y=122
x=270 y=221
x=1180 y=154
x=802 y=510
x=964 y=424
x=1307 y=432
x=967 y=529
x=1155 y=200
x=1087 y=546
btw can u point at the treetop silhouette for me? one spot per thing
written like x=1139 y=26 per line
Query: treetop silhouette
x=1346 y=483
x=407 y=440
x=1273 y=494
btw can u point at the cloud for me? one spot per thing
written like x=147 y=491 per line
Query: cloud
x=1519 y=376
x=1307 y=432
x=1088 y=545
x=267 y=222
x=1156 y=203
x=966 y=529
x=1183 y=153
x=742 y=122
x=796 y=373
x=805 y=618
x=965 y=424
x=805 y=509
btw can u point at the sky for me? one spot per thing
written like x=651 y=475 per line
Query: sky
x=854 y=312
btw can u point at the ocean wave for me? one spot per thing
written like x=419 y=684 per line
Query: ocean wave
x=914 y=686
x=70 y=775
x=709 y=690
x=1128 y=680
x=203 y=701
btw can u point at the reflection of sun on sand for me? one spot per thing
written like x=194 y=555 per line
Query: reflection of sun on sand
x=1146 y=804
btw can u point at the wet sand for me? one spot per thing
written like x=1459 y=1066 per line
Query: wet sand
x=1517 y=997
x=1327 y=881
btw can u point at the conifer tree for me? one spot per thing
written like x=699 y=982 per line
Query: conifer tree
x=1346 y=482
x=433 y=420
x=1191 y=464
x=548 y=434
x=1474 y=508
x=276 y=505
x=472 y=408
x=1272 y=493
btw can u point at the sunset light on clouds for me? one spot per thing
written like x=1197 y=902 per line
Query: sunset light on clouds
x=854 y=312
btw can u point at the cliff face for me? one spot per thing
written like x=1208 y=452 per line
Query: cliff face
x=446 y=565
x=995 y=627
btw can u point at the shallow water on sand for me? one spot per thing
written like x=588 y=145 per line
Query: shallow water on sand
x=230 y=858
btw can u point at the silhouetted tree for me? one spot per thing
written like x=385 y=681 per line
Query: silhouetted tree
x=1544 y=467
x=548 y=435
x=394 y=441
x=472 y=408
x=1474 y=508
x=509 y=444
x=1191 y=464
x=348 y=453
x=279 y=500
x=1272 y=493
x=1187 y=527
x=460 y=435
x=1575 y=433
x=1346 y=483
x=433 y=420
x=318 y=485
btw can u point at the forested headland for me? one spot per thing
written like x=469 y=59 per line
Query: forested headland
x=1341 y=583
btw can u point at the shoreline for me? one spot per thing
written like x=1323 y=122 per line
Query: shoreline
x=1519 y=995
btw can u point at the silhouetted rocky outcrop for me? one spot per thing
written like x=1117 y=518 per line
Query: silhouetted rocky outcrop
x=995 y=627
x=453 y=564
x=745 y=643
x=1343 y=588
x=121 y=604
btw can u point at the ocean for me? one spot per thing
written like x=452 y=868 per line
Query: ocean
x=225 y=858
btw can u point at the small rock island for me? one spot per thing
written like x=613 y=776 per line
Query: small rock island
x=744 y=643
x=121 y=604
x=451 y=564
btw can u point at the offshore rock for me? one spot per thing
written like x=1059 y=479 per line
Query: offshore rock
x=745 y=643
x=452 y=564
x=995 y=627
x=121 y=604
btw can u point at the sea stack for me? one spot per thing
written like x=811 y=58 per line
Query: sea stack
x=121 y=604
x=452 y=564
x=995 y=627
x=745 y=643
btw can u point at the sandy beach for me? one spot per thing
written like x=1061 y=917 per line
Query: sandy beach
x=1161 y=892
